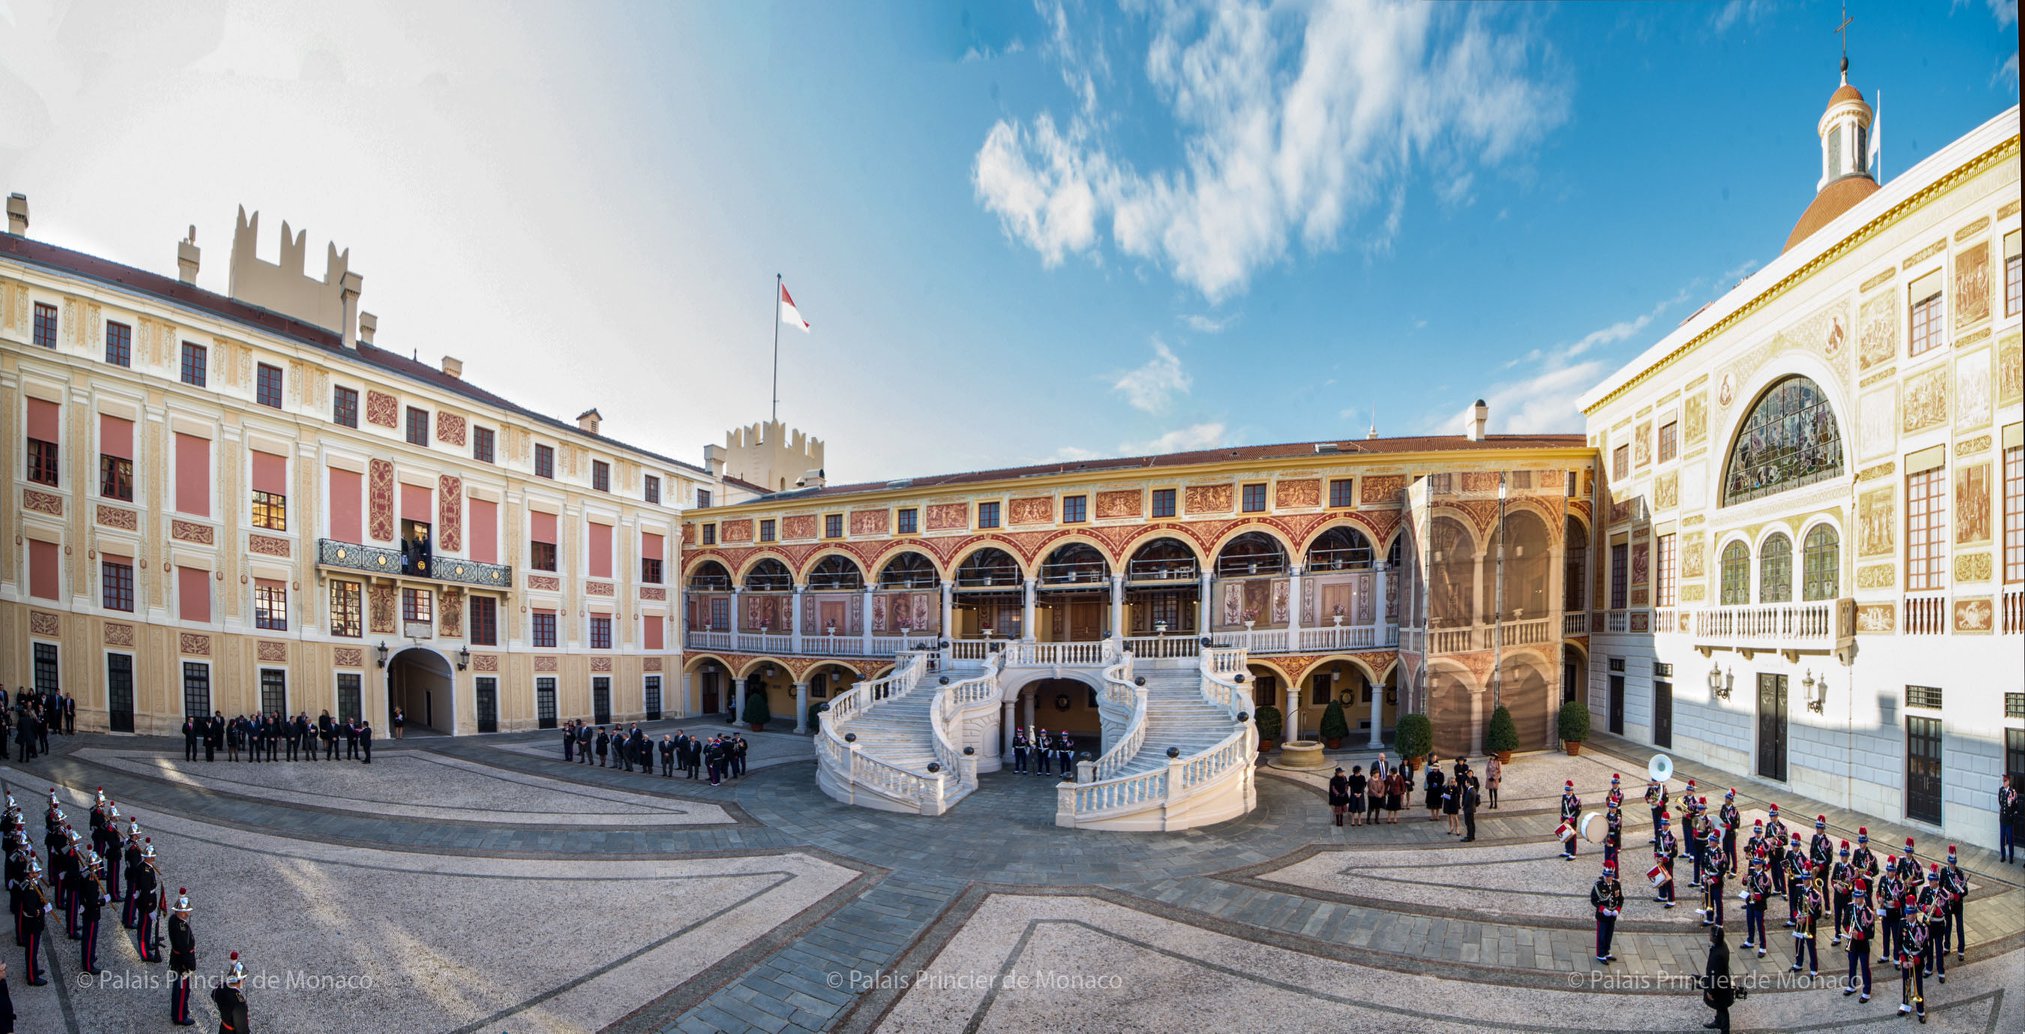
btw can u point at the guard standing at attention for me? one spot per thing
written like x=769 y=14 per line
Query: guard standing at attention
x=1019 y=746
x=1607 y=897
x=91 y=897
x=231 y=1000
x=182 y=959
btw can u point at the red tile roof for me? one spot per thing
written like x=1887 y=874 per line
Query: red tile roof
x=1289 y=450
x=91 y=267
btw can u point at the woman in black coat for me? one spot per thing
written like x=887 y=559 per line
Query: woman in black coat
x=1339 y=795
x=1434 y=787
x=1717 y=990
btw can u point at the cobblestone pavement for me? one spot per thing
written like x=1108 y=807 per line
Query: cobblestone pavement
x=481 y=883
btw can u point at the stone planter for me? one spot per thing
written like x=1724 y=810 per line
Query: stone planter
x=757 y=726
x=1573 y=747
x=1504 y=757
x=1333 y=742
x=1266 y=745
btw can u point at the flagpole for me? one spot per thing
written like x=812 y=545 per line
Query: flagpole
x=775 y=417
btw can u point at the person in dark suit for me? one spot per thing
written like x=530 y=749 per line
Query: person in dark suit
x=70 y=716
x=366 y=740
x=667 y=756
x=1470 y=794
x=214 y=735
x=1718 y=992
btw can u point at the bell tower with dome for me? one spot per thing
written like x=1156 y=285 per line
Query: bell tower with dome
x=1846 y=176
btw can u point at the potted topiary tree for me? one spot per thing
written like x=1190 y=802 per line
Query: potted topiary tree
x=1334 y=726
x=1413 y=737
x=756 y=713
x=1269 y=722
x=1574 y=726
x=1502 y=738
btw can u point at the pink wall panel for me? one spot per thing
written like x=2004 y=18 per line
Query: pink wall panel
x=42 y=569
x=601 y=550
x=346 y=517
x=193 y=594
x=193 y=475
x=484 y=531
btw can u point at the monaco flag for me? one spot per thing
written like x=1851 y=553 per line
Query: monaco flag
x=789 y=314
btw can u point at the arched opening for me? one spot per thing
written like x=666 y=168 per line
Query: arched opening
x=421 y=685
x=1522 y=688
x=1736 y=575
x=1574 y=566
x=836 y=572
x=1163 y=588
x=707 y=598
x=1340 y=682
x=1055 y=706
x=909 y=570
x=1252 y=553
x=1526 y=565
x=1072 y=602
x=710 y=576
x=1775 y=570
x=766 y=605
x=1338 y=549
x=988 y=596
x=1451 y=575
x=1251 y=587
x=1822 y=575
x=1788 y=438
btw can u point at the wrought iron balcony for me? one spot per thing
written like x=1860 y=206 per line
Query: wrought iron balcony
x=353 y=556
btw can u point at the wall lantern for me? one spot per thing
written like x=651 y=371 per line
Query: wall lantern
x=1720 y=683
x=463 y=658
x=382 y=653
x=1817 y=691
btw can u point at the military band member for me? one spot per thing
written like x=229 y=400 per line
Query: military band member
x=1862 y=859
x=1857 y=924
x=1713 y=880
x=1955 y=883
x=1931 y=911
x=1909 y=867
x=1613 y=833
x=130 y=914
x=1775 y=842
x=1663 y=855
x=1607 y=897
x=1655 y=798
x=1841 y=887
x=1571 y=813
x=147 y=939
x=1912 y=978
x=230 y=998
x=1757 y=894
x=182 y=959
x=1693 y=835
x=1756 y=845
x=1020 y=748
x=1798 y=871
x=1807 y=920
x=1616 y=795
x=91 y=890
x=1821 y=850
x=1731 y=819
x=1891 y=892
x=1044 y=753
x=35 y=909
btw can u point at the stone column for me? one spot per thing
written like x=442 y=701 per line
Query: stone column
x=1292 y=731
x=1294 y=607
x=1030 y=712
x=1202 y=604
x=865 y=625
x=801 y=703
x=692 y=702
x=1027 y=613
x=1118 y=605
x=1377 y=713
x=1378 y=574
x=737 y=693
x=948 y=611
x=1005 y=732
x=795 y=627
x=737 y=619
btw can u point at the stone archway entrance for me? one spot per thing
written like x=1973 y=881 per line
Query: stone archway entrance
x=421 y=684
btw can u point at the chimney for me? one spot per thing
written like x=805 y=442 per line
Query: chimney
x=350 y=286
x=1480 y=414
x=187 y=254
x=17 y=214
x=455 y=368
x=369 y=325
x=812 y=479
x=587 y=421
x=713 y=460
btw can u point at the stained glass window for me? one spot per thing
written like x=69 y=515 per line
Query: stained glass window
x=1788 y=439
x=1775 y=570
x=1736 y=574
x=1822 y=565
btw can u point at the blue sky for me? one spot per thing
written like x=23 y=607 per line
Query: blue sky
x=1021 y=232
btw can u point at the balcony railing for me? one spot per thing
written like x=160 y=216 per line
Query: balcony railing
x=353 y=556
x=1814 y=625
x=1926 y=613
x=1575 y=623
x=2014 y=611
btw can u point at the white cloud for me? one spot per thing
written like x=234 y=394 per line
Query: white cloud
x=1151 y=387
x=1735 y=13
x=1182 y=439
x=1292 y=122
x=1205 y=324
x=1544 y=400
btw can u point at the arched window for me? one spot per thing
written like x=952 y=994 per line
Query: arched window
x=710 y=576
x=1251 y=553
x=1822 y=567
x=988 y=568
x=836 y=572
x=907 y=571
x=1788 y=439
x=1075 y=562
x=1736 y=574
x=1161 y=560
x=1574 y=565
x=1775 y=570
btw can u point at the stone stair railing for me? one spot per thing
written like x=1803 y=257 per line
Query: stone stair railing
x=955 y=702
x=1048 y=655
x=1120 y=691
x=1210 y=786
x=849 y=775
